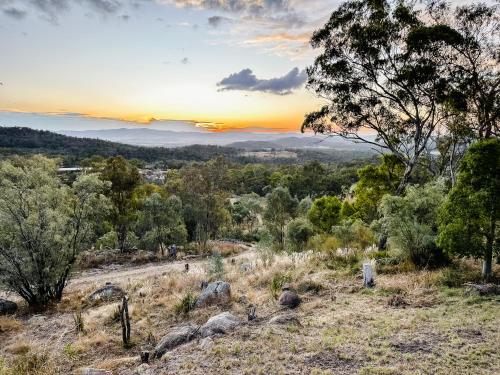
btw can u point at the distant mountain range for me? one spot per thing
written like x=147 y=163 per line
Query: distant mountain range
x=241 y=140
x=74 y=149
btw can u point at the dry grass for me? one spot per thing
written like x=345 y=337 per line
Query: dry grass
x=344 y=328
x=9 y=324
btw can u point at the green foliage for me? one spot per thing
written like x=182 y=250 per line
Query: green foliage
x=457 y=275
x=280 y=208
x=347 y=210
x=304 y=206
x=411 y=223
x=124 y=179
x=298 y=232
x=216 y=270
x=375 y=78
x=325 y=213
x=185 y=305
x=43 y=226
x=161 y=222
x=374 y=182
x=277 y=283
x=324 y=242
x=202 y=190
x=469 y=217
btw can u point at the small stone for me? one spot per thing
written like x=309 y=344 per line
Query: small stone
x=219 y=324
x=7 y=307
x=289 y=299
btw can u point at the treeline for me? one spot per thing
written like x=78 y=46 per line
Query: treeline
x=75 y=151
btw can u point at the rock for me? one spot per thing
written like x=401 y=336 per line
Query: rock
x=219 y=324
x=482 y=289
x=216 y=293
x=245 y=267
x=243 y=300
x=285 y=319
x=177 y=336
x=94 y=371
x=7 y=307
x=206 y=343
x=109 y=292
x=143 y=369
x=289 y=299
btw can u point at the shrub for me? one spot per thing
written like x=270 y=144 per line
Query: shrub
x=42 y=233
x=325 y=213
x=32 y=364
x=411 y=223
x=324 y=243
x=216 y=270
x=298 y=233
x=185 y=305
x=277 y=283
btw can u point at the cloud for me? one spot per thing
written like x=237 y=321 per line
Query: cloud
x=15 y=13
x=246 y=80
x=104 y=6
x=216 y=21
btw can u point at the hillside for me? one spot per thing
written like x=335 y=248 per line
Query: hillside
x=26 y=141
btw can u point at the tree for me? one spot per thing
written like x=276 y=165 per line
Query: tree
x=470 y=38
x=411 y=223
x=298 y=232
x=124 y=178
x=374 y=78
x=325 y=213
x=304 y=206
x=469 y=218
x=202 y=190
x=374 y=182
x=161 y=219
x=43 y=226
x=280 y=208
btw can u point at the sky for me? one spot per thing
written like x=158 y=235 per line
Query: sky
x=217 y=65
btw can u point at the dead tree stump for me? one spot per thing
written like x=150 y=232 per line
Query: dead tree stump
x=368 y=280
x=125 y=322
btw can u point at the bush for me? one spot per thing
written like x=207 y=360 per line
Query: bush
x=298 y=233
x=457 y=275
x=411 y=224
x=185 y=305
x=42 y=233
x=216 y=270
x=324 y=243
x=277 y=283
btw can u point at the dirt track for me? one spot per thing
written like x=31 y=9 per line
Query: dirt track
x=121 y=274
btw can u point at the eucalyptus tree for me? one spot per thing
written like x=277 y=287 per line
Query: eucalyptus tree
x=375 y=76
x=44 y=224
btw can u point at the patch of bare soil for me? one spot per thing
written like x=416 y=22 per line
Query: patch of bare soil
x=338 y=361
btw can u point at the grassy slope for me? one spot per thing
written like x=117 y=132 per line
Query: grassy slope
x=345 y=329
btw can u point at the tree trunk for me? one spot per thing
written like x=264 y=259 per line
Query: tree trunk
x=405 y=179
x=488 y=254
